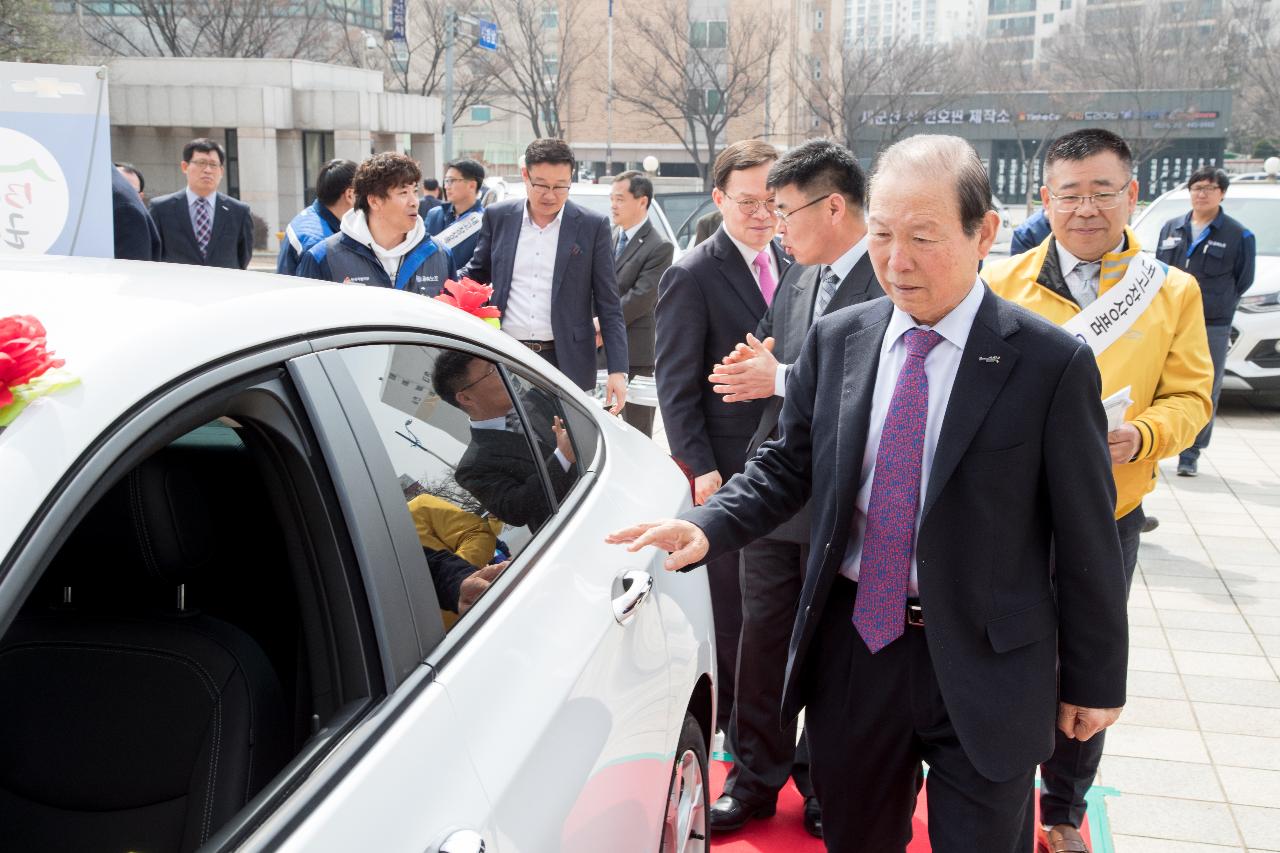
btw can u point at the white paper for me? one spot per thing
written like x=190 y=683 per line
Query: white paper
x=1116 y=405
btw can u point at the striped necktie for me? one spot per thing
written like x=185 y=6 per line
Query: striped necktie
x=830 y=281
x=204 y=226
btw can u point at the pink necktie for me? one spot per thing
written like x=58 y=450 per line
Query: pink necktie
x=767 y=284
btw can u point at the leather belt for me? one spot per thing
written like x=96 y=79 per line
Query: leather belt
x=913 y=615
x=540 y=346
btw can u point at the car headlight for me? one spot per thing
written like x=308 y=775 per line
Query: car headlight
x=1261 y=302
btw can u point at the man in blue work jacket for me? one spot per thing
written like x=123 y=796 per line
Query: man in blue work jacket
x=1219 y=252
x=334 y=197
x=382 y=240
x=457 y=222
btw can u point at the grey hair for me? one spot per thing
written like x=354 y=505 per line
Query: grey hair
x=938 y=156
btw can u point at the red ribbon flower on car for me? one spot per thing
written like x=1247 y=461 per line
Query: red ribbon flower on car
x=471 y=297
x=27 y=367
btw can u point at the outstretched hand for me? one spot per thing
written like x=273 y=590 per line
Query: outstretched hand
x=684 y=541
x=747 y=373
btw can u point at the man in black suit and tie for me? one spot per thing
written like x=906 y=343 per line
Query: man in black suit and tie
x=641 y=256
x=951 y=441
x=821 y=194
x=199 y=225
x=708 y=301
x=550 y=262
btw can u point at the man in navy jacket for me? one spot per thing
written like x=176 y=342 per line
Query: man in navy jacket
x=323 y=217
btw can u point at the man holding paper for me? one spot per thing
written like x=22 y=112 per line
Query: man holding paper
x=1145 y=325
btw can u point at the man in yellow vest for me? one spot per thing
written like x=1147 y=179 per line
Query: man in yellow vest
x=1145 y=324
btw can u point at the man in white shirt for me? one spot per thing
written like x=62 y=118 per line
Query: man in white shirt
x=964 y=589
x=550 y=262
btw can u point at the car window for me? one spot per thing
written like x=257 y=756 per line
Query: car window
x=482 y=456
x=1259 y=215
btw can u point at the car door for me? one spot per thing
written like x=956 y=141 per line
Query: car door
x=558 y=676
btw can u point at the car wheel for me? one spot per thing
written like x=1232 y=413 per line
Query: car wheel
x=685 y=828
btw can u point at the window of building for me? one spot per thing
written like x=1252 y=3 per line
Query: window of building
x=1004 y=7
x=708 y=34
x=482 y=114
x=551 y=65
x=714 y=101
x=818 y=22
x=1048 y=18
x=1012 y=27
x=232 y=145
x=817 y=68
x=551 y=18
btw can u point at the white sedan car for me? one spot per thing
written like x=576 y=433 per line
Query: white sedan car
x=233 y=558
x=1253 y=361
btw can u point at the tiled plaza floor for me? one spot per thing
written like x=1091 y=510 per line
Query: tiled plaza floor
x=1195 y=760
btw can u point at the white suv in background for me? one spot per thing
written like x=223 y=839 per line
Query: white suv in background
x=1253 y=361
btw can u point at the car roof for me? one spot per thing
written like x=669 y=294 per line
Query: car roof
x=128 y=328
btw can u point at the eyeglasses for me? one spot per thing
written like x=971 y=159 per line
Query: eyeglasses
x=751 y=206
x=492 y=370
x=558 y=189
x=448 y=182
x=1100 y=201
x=207 y=165
x=1205 y=189
x=785 y=216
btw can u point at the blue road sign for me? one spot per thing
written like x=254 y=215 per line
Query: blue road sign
x=488 y=35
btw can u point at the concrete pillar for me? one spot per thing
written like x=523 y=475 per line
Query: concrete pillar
x=259 y=174
x=354 y=145
x=289 y=176
x=428 y=150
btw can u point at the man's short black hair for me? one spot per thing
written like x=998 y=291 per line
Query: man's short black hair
x=471 y=170
x=821 y=167
x=382 y=174
x=1083 y=144
x=638 y=184
x=450 y=374
x=205 y=146
x=335 y=178
x=431 y=184
x=553 y=151
x=1209 y=173
x=133 y=170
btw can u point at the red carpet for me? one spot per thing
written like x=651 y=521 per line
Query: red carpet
x=784 y=832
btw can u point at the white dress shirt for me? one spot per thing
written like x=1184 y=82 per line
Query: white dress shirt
x=528 y=314
x=749 y=255
x=940 y=367
x=212 y=198
x=1085 y=290
x=631 y=232
x=842 y=266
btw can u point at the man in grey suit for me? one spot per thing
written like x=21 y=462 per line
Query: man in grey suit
x=550 y=262
x=641 y=256
x=821 y=194
x=199 y=225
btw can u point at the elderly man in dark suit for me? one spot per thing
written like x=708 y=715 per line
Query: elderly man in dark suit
x=199 y=225
x=550 y=262
x=952 y=443
x=821 y=194
x=708 y=301
x=641 y=256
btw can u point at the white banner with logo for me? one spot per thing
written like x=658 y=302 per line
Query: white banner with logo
x=461 y=230
x=55 y=161
x=1113 y=313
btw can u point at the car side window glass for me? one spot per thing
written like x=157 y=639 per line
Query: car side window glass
x=483 y=457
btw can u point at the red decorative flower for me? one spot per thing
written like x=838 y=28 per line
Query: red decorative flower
x=23 y=354
x=470 y=296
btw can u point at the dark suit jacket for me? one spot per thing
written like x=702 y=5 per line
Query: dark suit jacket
x=1021 y=470
x=644 y=260
x=788 y=320
x=707 y=303
x=583 y=284
x=230 y=244
x=499 y=470
x=136 y=236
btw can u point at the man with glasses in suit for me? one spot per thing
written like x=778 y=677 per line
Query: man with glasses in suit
x=550 y=262
x=199 y=225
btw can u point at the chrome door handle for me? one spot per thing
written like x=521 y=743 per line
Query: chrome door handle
x=463 y=841
x=636 y=586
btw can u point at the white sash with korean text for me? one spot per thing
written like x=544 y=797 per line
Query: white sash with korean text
x=461 y=230
x=1113 y=313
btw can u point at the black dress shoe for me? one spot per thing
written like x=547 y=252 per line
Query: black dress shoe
x=813 y=817
x=728 y=814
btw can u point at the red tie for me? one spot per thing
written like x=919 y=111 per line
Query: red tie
x=767 y=284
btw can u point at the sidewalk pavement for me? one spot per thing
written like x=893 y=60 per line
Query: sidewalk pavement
x=1195 y=758
x=1193 y=766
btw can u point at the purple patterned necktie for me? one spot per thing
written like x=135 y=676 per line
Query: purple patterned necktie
x=203 y=226
x=879 y=611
